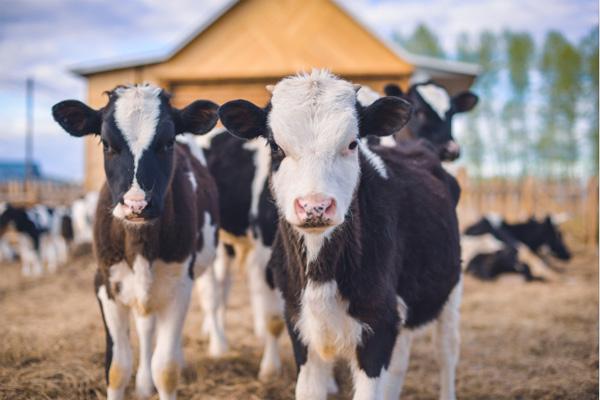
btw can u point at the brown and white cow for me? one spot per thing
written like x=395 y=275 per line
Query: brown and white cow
x=155 y=228
x=367 y=247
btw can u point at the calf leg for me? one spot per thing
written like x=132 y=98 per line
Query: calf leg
x=222 y=265
x=259 y=297
x=447 y=342
x=144 y=387
x=167 y=360
x=208 y=292
x=270 y=364
x=118 y=349
x=396 y=373
x=369 y=367
x=313 y=378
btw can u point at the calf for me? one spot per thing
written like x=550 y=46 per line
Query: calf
x=40 y=238
x=367 y=246
x=432 y=116
x=156 y=227
x=516 y=247
x=248 y=225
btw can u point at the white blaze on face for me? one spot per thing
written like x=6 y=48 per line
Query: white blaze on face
x=436 y=97
x=137 y=110
x=313 y=119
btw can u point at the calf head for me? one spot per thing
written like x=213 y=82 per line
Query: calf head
x=313 y=125
x=433 y=112
x=552 y=237
x=137 y=128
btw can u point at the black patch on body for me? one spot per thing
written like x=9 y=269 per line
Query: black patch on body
x=232 y=167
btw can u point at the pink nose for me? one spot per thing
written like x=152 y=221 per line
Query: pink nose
x=135 y=202
x=314 y=207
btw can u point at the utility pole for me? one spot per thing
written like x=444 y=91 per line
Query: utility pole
x=29 y=132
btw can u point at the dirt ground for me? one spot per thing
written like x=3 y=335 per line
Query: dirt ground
x=519 y=341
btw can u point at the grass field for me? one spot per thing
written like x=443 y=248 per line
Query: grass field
x=519 y=341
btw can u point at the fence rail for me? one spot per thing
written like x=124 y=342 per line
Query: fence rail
x=519 y=199
x=35 y=192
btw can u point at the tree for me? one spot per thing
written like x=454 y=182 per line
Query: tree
x=589 y=53
x=422 y=41
x=560 y=67
x=520 y=50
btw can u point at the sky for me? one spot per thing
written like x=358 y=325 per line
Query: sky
x=42 y=39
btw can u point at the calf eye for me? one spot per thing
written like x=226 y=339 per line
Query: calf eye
x=353 y=145
x=107 y=148
x=275 y=149
x=168 y=146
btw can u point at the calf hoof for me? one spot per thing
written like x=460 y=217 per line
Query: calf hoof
x=144 y=387
x=217 y=347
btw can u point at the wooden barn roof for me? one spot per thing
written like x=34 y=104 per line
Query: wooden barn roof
x=264 y=38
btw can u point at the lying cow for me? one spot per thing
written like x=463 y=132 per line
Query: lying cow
x=367 y=246
x=156 y=227
x=493 y=246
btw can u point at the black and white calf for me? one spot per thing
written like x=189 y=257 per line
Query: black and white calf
x=432 y=115
x=492 y=246
x=155 y=230
x=367 y=247
x=248 y=224
x=41 y=240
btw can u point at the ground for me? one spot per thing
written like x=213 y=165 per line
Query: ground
x=519 y=341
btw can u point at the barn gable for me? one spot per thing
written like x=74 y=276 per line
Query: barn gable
x=252 y=43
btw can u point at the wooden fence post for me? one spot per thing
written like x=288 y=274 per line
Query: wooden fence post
x=591 y=212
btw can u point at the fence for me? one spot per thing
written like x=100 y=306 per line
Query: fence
x=35 y=192
x=520 y=199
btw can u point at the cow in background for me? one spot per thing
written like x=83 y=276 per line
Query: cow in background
x=432 y=116
x=41 y=239
x=493 y=246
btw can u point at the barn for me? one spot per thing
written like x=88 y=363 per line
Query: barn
x=248 y=44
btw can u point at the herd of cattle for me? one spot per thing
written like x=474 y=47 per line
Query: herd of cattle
x=333 y=197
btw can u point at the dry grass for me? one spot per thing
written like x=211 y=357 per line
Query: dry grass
x=519 y=341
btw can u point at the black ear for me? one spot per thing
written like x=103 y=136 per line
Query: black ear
x=384 y=117
x=391 y=89
x=77 y=118
x=197 y=118
x=243 y=119
x=464 y=101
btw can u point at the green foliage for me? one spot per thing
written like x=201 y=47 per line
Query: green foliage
x=547 y=125
x=520 y=53
x=589 y=53
x=422 y=41
x=560 y=67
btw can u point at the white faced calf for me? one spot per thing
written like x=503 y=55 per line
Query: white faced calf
x=155 y=227
x=367 y=245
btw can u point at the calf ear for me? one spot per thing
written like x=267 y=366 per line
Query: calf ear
x=243 y=119
x=391 y=89
x=384 y=117
x=464 y=101
x=197 y=118
x=77 y=118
